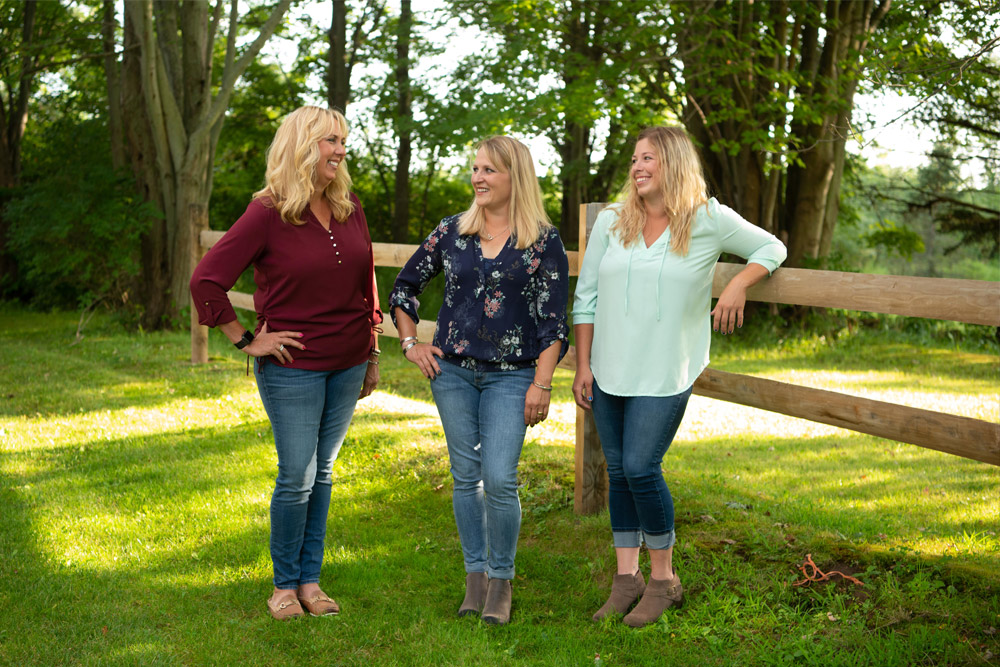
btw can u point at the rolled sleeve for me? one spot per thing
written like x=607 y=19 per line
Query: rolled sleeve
x=743 y=238
x=585 y=298
x=222 y=265
x=422 y=266
x=552 y=295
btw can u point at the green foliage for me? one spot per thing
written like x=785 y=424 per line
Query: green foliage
x=75 y=224
x=926 y=222
x=263 y=96
x=895 y=238
x=945 y=54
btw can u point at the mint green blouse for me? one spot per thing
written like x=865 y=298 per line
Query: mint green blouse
x=651 y=307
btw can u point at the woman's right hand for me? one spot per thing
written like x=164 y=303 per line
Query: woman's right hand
x=583 y=387
x=274 y=343
x=422 y=354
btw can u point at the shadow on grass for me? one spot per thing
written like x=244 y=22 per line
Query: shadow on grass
x=877 y=357
x=393 y=558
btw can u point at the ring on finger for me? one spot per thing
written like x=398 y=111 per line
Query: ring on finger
x=281 y=347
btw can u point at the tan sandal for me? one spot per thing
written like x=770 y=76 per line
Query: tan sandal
x=287 y=609
x=320 y=605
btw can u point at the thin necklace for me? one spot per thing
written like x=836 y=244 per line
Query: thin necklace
x=490 y=237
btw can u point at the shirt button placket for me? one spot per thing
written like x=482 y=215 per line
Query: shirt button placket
x=337 y=252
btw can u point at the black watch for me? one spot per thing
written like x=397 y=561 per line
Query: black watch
x=243 y=342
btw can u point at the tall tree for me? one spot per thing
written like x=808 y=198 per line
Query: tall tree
x=574 y=71
x=112 y=74
x=34 y=37
x=19 y=69
x=404 y=124
x=341 y=57
x=177 y=109
x=769 y=95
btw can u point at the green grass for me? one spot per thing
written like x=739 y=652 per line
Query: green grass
x=134 y=492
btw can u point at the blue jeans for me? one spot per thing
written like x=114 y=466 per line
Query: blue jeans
x=309 y=412
x=483 y=418
x=636 y=432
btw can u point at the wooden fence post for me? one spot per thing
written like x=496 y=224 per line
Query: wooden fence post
x=199 y=333
x=590 y=493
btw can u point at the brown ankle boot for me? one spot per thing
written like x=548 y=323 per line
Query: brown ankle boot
x=625 y=590
x=660 y=595
x=475 y=594
x=496 y=611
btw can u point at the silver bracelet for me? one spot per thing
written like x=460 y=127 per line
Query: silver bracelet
x=407 y=338
x=541 y=386
x=407 y=348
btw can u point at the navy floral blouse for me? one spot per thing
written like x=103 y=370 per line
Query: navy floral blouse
x=498 y=314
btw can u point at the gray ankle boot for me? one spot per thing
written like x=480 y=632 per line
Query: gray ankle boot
x=475 y=594
x=496 y=611
x=625 y=590
x=660 y=595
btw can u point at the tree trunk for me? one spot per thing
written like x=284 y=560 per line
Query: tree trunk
x=404 y=119
x=13 y=120
x=167 y=79
x=112 y=74
x=14 y=109
x=338 y=76
x=575 y=155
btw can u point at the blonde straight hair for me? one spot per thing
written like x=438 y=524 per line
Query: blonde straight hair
x=292 y=159
x=681 y=185
x=528 y=220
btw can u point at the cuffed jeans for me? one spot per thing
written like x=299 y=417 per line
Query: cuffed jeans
x=310 y=412
x=635 y=433
x=483 y=418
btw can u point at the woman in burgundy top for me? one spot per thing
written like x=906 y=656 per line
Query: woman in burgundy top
x=315 y=342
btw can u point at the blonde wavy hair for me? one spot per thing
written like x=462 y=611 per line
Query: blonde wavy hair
x=528 y=220
x=292 y=159
x=681 y=184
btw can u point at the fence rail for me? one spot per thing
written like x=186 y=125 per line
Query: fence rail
x=970 y=301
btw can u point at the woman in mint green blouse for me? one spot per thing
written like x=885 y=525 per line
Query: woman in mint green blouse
x=643 y=319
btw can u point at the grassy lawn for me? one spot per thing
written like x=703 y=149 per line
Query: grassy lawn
x=134 y=492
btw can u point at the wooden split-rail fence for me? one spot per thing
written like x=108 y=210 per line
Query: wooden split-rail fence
x=969 y=301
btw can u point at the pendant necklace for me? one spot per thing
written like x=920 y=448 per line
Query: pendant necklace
x=490 y=237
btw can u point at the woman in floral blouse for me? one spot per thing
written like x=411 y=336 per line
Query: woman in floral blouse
x=500 y=333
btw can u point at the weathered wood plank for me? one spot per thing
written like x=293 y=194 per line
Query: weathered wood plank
x=388 y=254
x=590 y=490
x=425 y=329
x=971 y=301
x=963 y=436
x=241 y=300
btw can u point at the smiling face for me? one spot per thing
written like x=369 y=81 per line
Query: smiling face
x=332 y=150
x=491 y=186
x=645 y=172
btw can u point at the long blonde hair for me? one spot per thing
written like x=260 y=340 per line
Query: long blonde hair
x=681 y=186
x=528 y=220
x=292 y=160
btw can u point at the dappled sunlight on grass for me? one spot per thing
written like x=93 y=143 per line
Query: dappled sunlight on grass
x=136 y=489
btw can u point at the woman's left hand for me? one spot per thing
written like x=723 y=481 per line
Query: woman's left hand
x=536 y=405
x=728 y=311
x=371 y=381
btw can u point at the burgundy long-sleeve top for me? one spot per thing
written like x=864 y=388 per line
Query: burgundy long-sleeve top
x=309 y=279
